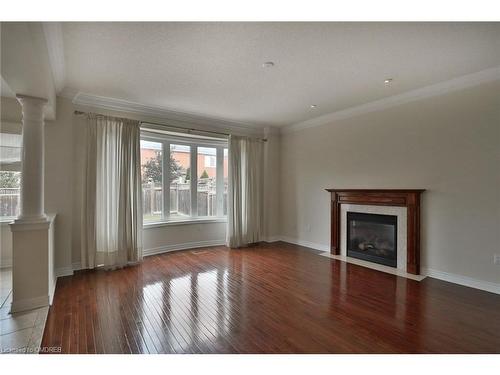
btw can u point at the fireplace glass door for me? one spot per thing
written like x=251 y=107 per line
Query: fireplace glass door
x=372 y=237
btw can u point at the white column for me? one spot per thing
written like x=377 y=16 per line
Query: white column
x=32 y=181
x=32 y=233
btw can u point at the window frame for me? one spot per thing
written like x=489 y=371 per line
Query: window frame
x=166 y=139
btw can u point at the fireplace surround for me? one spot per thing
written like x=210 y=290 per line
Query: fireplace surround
x=408 y=198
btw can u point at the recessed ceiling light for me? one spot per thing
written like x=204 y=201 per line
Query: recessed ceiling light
x=313 y=106
x=268 y=64
x=388 y=80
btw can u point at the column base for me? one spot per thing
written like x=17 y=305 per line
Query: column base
x=29 y=304
x=33 y=263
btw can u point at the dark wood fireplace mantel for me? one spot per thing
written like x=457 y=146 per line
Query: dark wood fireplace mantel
x=409 y=198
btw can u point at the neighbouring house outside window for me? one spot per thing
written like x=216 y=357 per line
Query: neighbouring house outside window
x=183 y=178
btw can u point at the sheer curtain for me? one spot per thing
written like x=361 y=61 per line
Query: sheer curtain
x=244 y=213
x=112 y=199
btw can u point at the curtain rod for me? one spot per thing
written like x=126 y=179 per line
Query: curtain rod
x=178 y=127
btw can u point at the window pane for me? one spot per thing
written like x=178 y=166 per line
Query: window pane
x=207 y=172
x=180 y=190
x=226 y=175
x=9 y=193
x=10 y=148
x=152 y=176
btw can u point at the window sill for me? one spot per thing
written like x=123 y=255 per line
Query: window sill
x=184 y=222
x=7 y=221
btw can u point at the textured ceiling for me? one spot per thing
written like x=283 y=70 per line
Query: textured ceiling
x=215 y=69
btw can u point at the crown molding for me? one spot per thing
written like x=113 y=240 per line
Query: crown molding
x=55 y=48
x=160 y=113
x=441 y=88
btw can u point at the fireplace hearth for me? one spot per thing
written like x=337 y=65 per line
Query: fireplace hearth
x=372 y=237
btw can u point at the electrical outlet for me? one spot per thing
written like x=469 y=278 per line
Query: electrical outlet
x=496 y=259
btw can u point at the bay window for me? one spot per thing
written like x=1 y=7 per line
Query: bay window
x=184 y=178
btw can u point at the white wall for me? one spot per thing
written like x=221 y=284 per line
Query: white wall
x=448 y=145
x=59 y=169
x=183 y=236
x=5 y=246
x=10 y=113
x=271 y=211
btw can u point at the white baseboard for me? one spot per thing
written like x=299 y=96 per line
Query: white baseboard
x=271 y=239
x=312 y=245
x=68 y=270
x=76 y=266
x=445 y=276
x=29 y=304
x=462 y=280
x=182 y=246
x=63 y=271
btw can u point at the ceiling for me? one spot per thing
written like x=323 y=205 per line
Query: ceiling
x=215 y=69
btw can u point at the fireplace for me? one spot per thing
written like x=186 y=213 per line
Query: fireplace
x=372 y=237
x=408 y=198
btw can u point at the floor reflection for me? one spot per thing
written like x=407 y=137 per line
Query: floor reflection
x=369 y=299
x=193 y=309
x=266 y=299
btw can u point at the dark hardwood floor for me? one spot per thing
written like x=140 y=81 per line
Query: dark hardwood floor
x=274 y=298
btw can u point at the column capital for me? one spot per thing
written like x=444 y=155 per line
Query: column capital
x=33 y=100
x=32 y=108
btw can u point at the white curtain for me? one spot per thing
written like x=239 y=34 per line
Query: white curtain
x=244 y=211
x=112 y=198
